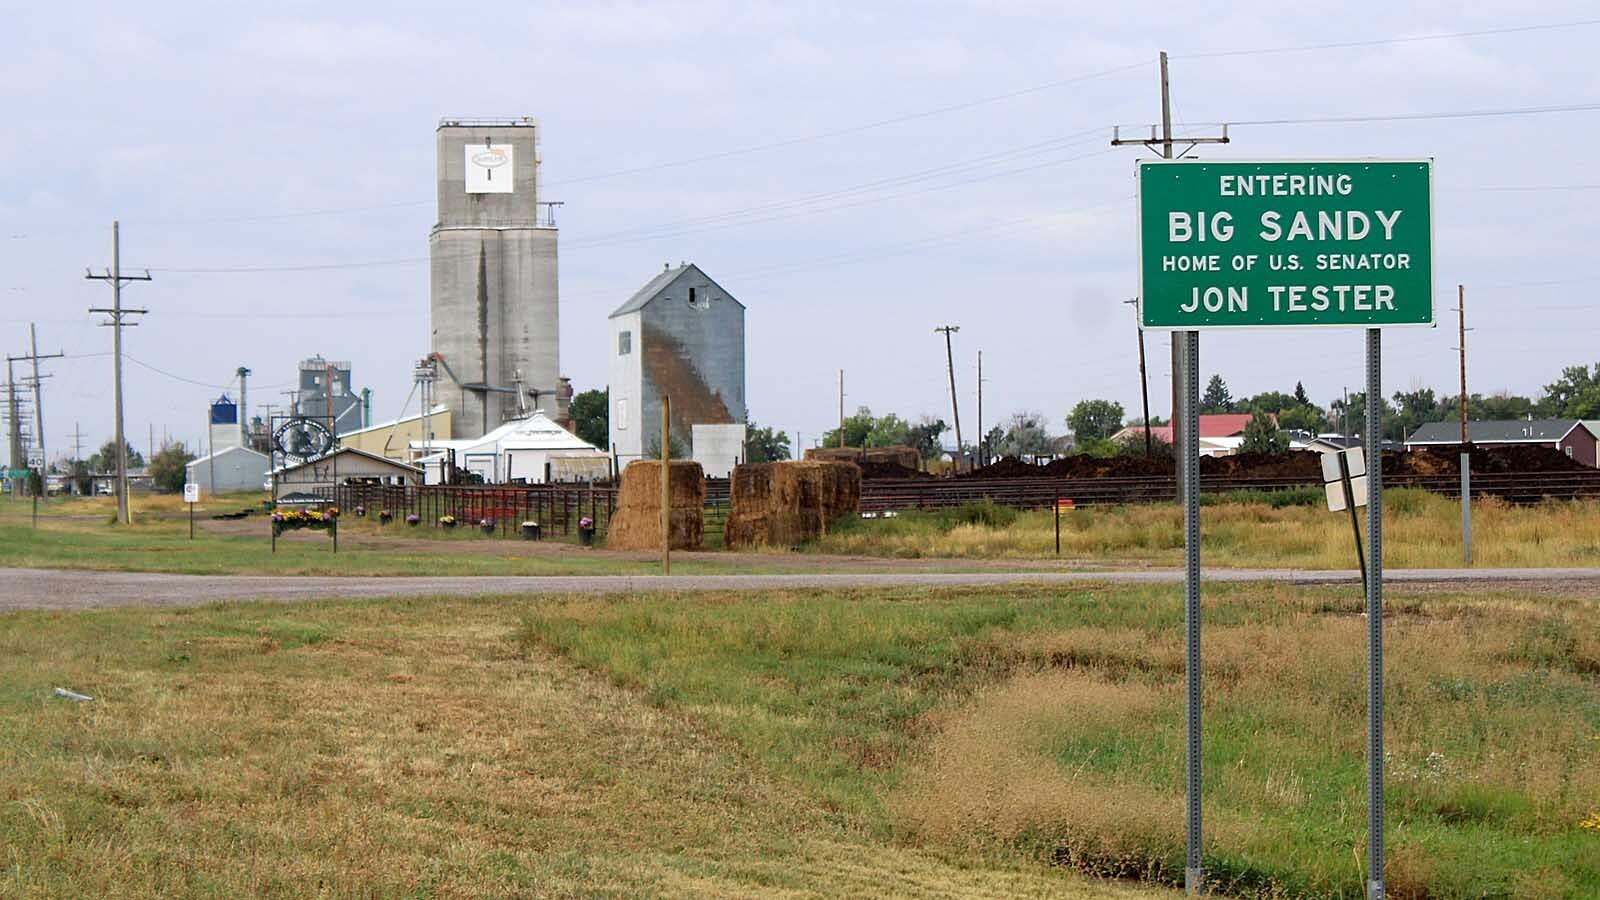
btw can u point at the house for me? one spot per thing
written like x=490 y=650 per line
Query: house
x=232 y=468
x=681 y=335
x=1327 y=443
x=1569 y=436
x=346 y=465
x=1221 y=434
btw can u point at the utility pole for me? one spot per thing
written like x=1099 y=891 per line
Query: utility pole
x=14 y=454
x=841 y=407
x=955 y=409
x=77 y=442
x=38 y=397
x=983 y=459
x=115 y=278
x=1164 y=142
x=1144 y=382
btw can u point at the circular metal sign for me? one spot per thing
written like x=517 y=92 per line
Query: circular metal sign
x=303 y=439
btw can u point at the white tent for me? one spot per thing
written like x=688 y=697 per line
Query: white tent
x=533 y=449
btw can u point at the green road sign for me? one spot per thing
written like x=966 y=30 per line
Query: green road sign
x=1284 y=244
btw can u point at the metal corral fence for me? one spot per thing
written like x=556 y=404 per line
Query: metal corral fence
x=555 y=507
x=1041 y=493
x=558 y=507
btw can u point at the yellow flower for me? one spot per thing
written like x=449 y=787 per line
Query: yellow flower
x=1592 y=823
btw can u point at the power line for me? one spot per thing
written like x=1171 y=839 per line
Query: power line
x=1377 y=42
x=144 y=365
x=671 y=230
x=854 y=129
x=1425 y=116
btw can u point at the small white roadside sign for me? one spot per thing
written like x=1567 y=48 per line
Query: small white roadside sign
x=1332 y=479
x=191 y=492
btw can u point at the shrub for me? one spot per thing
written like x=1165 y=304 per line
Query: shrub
x=983 y=512
x=1279 y=499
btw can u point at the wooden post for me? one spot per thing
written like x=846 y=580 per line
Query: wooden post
x=666 y=485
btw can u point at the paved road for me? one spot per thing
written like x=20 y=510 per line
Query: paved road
x=67 y=589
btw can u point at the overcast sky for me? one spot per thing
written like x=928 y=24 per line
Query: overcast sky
x=909 y=165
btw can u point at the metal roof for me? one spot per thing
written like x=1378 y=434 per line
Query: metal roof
x=1506 y=431
x=661 y=282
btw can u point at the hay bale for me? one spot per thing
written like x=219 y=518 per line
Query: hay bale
x=786 y=503
x=896 y=461
x=636 y=524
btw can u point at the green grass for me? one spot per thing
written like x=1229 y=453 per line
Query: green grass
x=1051 y=724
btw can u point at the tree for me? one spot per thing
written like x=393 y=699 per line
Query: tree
x=856 y=429
x=1269 y=402
x=78 y=473
x=888 y=431
x=1095 y=419
x=591 y=417
x=167 y=471
x=1498 y=406
x=1575 y=395
x=1302 y=417
x=763 y=445
x=925 y=437
x=1025 y=435
x=992 y=441
x=1414 y=408
x=105 y=459
x=1300 y=395
x=866 y=430
x=1216 y=399
x=1262 y=435
x=1355 y=417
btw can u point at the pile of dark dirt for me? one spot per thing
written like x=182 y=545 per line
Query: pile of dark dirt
x=1007 y=467
x=1109 y=467
x=1485 y=460
x=1298 y=464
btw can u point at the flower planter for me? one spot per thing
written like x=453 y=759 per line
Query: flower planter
x=486 y=525
x=447 y=521
x=586 y=531
x=385 y=517
x=529 y=531
x=413 y=520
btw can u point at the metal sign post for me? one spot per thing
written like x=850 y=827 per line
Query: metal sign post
x=191 y=494
x=1189 y=400
x=1375 y=858
x=1344 y=479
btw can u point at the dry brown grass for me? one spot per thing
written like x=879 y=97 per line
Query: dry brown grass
x=1420 y=531
x=408 y=749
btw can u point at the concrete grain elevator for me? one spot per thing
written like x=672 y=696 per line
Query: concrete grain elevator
x=494 y=304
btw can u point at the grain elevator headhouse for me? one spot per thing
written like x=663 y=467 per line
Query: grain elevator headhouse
x=494 y=305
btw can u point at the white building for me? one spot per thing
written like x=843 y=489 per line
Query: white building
x=233 y=468
x=533 y=449
x=681 y=335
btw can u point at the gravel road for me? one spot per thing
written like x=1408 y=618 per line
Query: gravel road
x=77 y=589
